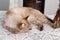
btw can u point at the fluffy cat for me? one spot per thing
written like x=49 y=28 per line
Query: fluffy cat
x=19 y=19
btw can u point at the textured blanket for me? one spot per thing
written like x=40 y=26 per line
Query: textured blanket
x=47 y=34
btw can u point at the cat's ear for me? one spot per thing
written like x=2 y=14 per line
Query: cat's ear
x=57 y=15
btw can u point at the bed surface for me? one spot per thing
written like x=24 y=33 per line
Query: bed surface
x=48 y=33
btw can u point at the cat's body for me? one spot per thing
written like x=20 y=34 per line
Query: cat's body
x=20 y=18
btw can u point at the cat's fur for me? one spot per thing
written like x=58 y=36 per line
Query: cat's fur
x=19 y=19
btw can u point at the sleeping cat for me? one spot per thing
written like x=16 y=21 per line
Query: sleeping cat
x=19 y=19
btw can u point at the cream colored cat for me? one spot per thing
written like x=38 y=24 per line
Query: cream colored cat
x=19 y=19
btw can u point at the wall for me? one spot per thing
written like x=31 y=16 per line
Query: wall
x=51 y=7
x=16 y=3
x=4 y=4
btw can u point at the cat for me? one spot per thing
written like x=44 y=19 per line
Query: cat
x=19 y=19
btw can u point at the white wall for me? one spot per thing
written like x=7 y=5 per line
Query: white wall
x=4 y=5
x=51 y=7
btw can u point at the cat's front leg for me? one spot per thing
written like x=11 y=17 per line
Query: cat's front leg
x=40 y=25
x=33 y=20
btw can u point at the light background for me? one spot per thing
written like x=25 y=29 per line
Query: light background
x=47 y=34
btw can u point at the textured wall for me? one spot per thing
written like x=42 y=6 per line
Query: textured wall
x=51 y=7
x=4 y=5
x=16 y=3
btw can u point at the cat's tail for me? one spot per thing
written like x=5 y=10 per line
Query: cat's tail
x=50 y=19
x=52 y=22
